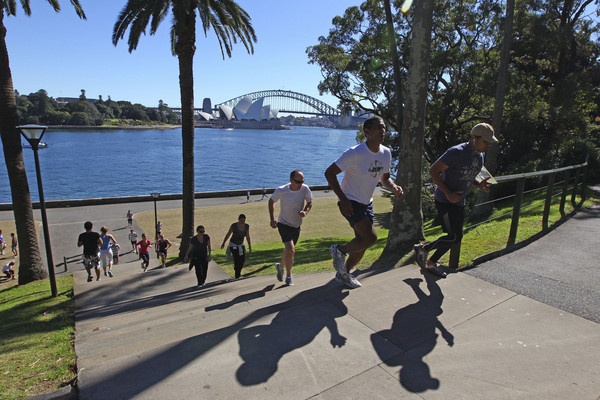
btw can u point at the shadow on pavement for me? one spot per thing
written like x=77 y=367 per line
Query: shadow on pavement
x=261 y=356
x=414 y=331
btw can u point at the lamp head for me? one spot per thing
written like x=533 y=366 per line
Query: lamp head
x=33 y=133
x=154 y=195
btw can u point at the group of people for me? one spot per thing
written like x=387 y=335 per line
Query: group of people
x=101 y=250
x=13 y=244
x=364 y=166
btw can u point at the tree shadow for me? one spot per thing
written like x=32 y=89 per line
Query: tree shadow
x=414 y=331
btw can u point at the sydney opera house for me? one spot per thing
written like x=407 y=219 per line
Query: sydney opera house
x=245 y=115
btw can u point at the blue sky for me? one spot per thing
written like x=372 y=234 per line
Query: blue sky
x=62 y=54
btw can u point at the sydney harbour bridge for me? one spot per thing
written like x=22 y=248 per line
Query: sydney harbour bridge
x=285 y=101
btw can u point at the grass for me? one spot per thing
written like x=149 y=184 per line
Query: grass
x=325 y=226
x=36 y=338
x=37 y=331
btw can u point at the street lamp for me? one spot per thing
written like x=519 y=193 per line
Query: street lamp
x=155 y=197
x=33 y=134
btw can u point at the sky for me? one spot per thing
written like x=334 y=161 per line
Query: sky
x=62 y=54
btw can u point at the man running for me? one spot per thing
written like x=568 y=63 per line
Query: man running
x=91 y=243
x=364 y=165
x=296 y=202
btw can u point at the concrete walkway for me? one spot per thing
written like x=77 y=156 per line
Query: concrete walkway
x=403 y=335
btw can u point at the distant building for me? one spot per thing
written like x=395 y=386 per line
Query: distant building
x=246 y=114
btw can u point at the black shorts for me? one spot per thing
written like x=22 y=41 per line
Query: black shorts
x=288 y=233
x=361 y=211
x=145 y=257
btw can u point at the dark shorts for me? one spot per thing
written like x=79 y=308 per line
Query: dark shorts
x=361 y=211
x=145 y=257
x=288 y=233
x=162 y=252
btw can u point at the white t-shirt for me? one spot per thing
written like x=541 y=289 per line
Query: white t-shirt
x=362 y=170
x=292 y=202
x=6 y=268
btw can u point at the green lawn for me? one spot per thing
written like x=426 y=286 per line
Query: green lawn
x=36 y=338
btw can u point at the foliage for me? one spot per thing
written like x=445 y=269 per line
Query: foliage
x=552 y=99
x=37 y=338
x=39 y=108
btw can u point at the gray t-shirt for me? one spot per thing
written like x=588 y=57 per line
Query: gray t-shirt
x=463 y=166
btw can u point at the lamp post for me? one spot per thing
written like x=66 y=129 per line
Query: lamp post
x=155 y=197
x=33 y=134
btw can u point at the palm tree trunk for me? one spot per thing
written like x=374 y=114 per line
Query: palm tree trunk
x=30 y=262
x=185 y=49
x=406 y=224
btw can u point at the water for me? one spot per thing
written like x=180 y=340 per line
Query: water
x=91 y=164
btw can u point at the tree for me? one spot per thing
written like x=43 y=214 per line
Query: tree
x=30 y=262
x=406 y=224
x=230 y=23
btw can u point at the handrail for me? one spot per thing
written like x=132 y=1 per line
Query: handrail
x=579 y=179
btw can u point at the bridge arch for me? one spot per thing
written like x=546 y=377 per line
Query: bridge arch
x=317 y=106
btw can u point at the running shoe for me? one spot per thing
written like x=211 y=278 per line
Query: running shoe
x=279 y=272
x=90 y=278
x=339 y=277
x=199 y=286
x=106 y=274
x=289 y=280
x=110 y=274
x=421 y=255
x=350 y=281
x=339 y=259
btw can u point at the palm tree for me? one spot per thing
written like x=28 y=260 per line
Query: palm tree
x=30 y=266
x=230 y=23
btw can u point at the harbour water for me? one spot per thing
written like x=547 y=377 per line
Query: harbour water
x=106 y=163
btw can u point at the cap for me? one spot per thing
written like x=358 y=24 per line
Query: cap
x=485 y=131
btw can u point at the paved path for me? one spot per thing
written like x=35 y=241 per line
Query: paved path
x=403 y=335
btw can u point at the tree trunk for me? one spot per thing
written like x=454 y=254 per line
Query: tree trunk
x=31 y=267
x=396 y=65
x=185 y=49
x=406 y=225
x=491 y=156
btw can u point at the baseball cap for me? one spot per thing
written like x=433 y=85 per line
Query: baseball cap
x=485 y=131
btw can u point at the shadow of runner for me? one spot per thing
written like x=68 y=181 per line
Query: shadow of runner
x=135 y=376
x=262 y=346
x=414 y=331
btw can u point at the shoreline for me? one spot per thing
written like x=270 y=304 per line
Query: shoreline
x=111 y=127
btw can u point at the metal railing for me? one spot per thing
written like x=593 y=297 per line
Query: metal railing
x=575 y=173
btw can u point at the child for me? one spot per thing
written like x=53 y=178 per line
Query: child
x=14 y=244
x=115 y=250
x=8 y=271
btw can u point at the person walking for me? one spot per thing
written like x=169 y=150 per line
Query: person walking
x=199 y=248
x=162 y=245
x=364 y=165
x=264 y=193
x=115 y=251
x=129 y=219
x=248 y=196
x=13 y=244
x=296 y=201
x=2 y=243
x=454 y=174
x=144 y=244
x=106 y=253
x=133 y=240
x=91 y=243
x=238 y=231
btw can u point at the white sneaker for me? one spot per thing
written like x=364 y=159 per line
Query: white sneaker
x=351 y=281
x=339 y=259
